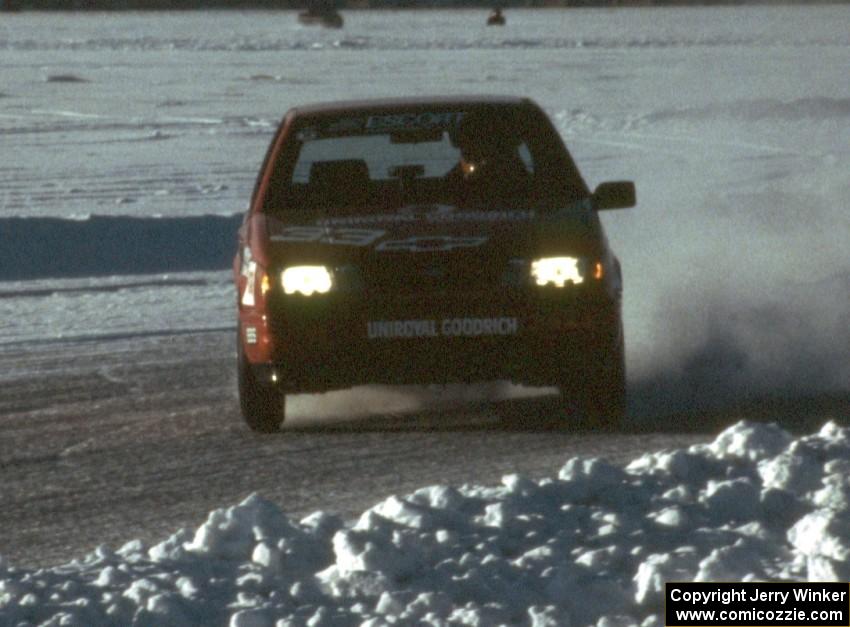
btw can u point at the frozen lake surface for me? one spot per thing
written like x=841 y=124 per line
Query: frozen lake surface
x=122 y=131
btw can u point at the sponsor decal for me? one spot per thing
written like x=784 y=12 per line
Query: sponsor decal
x=251 y=335
x=413 y=120
x=427 y=244
x=447 y=327
x=366 y=237
x=386 y=123
x=401 y=328
x=432 y=214
x=471 y=327
x=370 y=219
x=483 y=216
x=327 y=235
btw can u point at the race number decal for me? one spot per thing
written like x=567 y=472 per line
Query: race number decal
x=427 y=244
x=328 y=235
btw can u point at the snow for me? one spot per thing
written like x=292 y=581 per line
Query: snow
x=591 y=545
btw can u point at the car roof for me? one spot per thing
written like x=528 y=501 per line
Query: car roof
x=338 y=107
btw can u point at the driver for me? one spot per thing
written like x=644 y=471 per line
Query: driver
x=489 y=170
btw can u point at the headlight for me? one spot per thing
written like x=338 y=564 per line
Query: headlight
x=306 y=280
x=557 y=270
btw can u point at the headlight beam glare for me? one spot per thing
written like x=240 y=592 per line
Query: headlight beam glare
x=556 y=270
x=306 y=280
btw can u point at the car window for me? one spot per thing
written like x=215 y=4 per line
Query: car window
x=525 y=155
x=382 y=155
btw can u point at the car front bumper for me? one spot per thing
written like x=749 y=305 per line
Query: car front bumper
x=320 y=344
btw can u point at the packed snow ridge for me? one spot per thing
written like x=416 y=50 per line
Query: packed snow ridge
x=591 y=546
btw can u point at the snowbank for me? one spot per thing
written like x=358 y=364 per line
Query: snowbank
x=590 y=546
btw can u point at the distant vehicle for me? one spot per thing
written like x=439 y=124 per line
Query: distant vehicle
x=496 y=18
x=422 y=241
x=321 y=13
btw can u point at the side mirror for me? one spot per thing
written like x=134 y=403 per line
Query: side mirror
x=614 y=195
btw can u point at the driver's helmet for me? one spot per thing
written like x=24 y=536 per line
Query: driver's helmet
x=484 y=142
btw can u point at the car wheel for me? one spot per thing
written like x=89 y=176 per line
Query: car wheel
x=262 y=404
x=595 y=397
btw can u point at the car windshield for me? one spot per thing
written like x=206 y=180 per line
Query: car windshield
x=364 y=164
x=384 y=158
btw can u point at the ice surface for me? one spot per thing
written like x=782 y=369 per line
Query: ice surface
x=593 y=544
x=733 y=122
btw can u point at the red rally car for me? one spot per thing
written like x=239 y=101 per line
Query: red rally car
x=422 y=241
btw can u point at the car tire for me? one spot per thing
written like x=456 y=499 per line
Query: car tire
x=262 y=404
x=596 y=397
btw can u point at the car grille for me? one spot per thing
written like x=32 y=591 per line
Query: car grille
x=431 y=276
